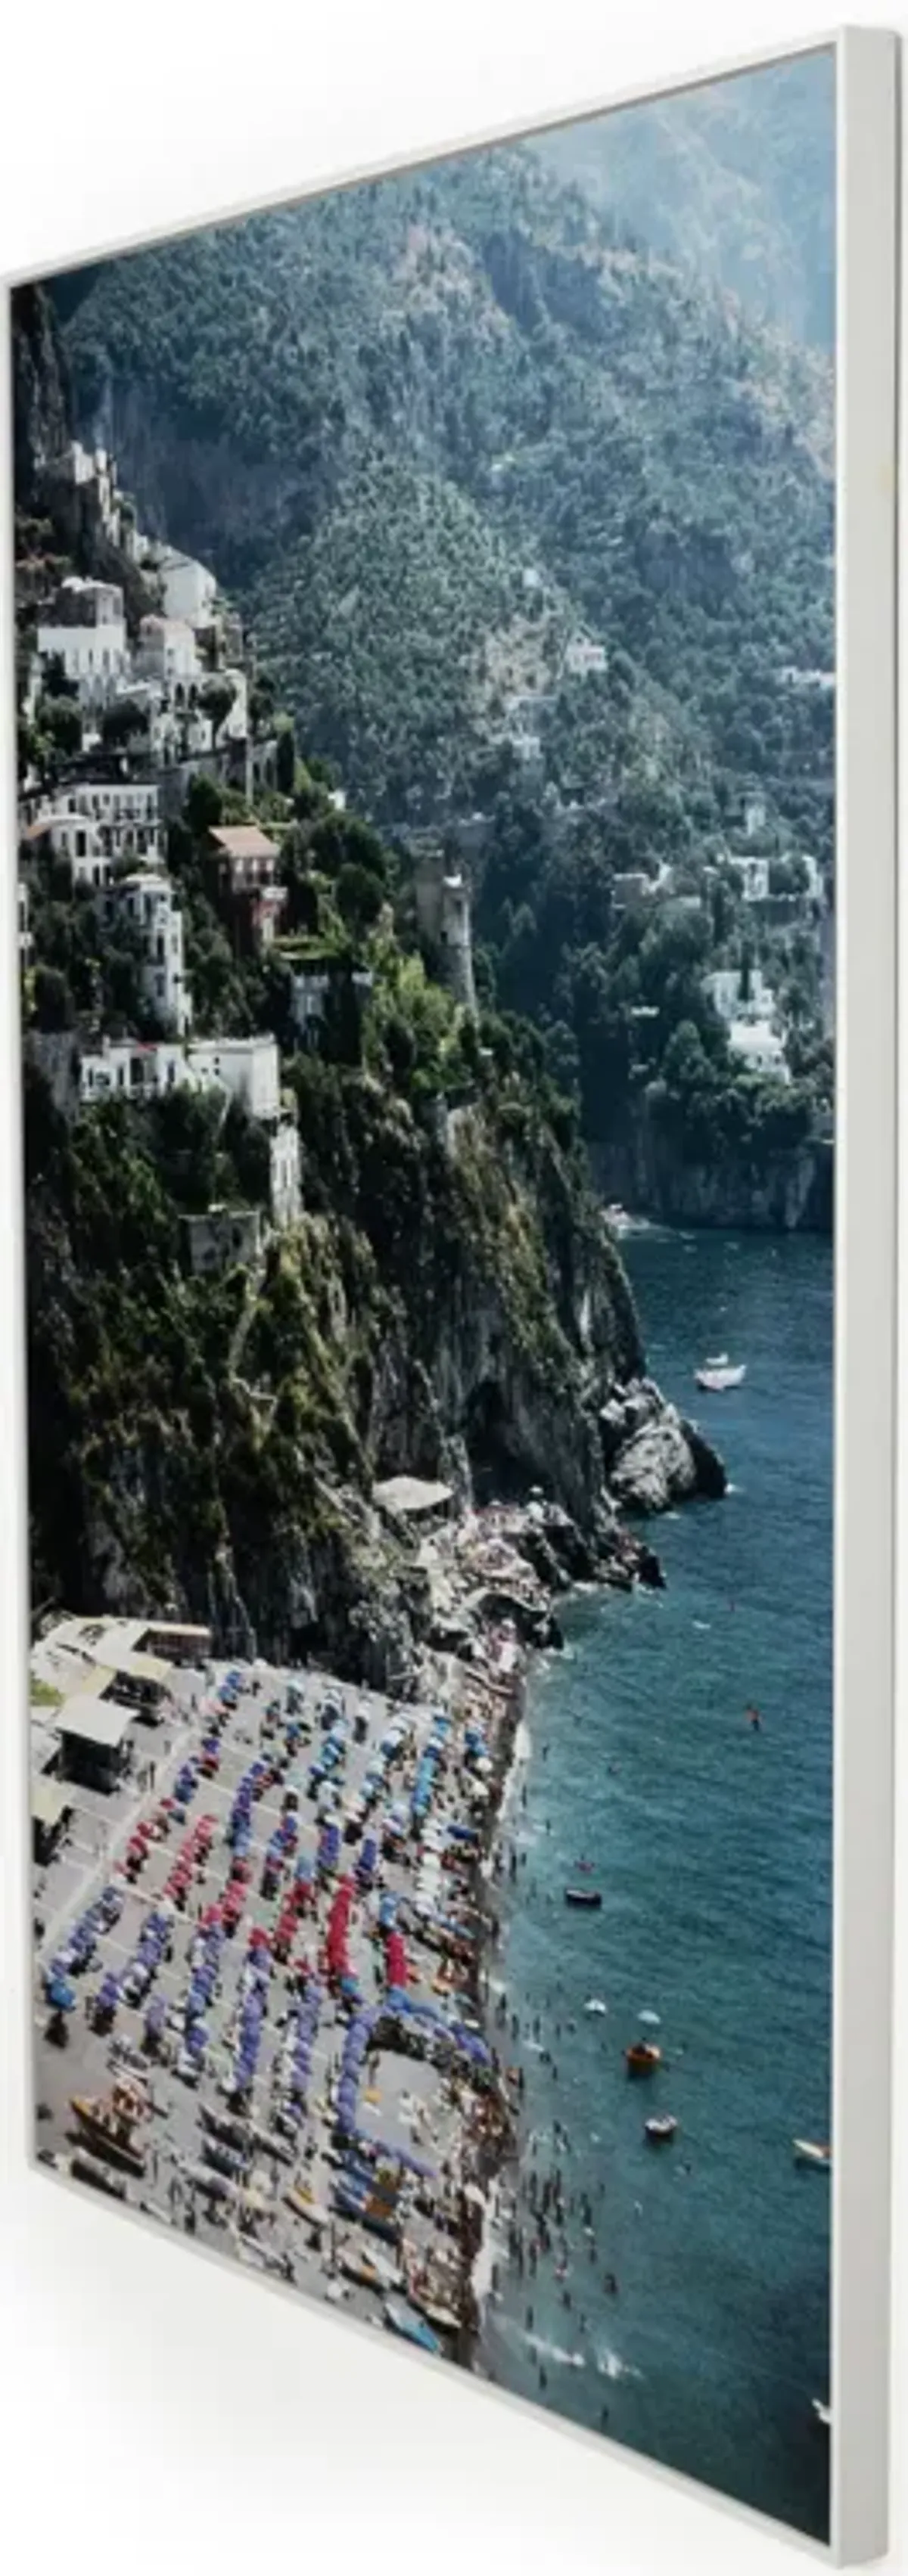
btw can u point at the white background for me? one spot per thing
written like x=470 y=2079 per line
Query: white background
x=157 y=2409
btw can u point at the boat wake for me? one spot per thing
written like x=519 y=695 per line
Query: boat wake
x=554 y=2352
x=610 y=2366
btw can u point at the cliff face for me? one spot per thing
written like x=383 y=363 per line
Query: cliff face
x=790 y=1192
x=215 y=1445
x=529 y=1326
x=41 y=409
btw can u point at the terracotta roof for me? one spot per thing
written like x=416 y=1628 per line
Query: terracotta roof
x=245 y=841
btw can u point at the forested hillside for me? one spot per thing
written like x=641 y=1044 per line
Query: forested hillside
x=379 y=413
x=535 y=531
x=734 y=179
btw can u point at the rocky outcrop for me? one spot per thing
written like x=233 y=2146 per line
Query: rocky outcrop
x=40 y=395
x=652 y=1456
x=789 y=1192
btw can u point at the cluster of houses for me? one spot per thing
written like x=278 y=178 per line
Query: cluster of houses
x=163 y=697
x=104 y=824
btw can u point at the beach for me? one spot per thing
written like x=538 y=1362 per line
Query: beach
x=410 y=2096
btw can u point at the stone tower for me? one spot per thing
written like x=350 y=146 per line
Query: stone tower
x=443 y=916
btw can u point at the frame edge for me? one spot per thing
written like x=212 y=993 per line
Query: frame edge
x=865 y=1288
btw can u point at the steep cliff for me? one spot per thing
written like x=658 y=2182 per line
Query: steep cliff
x=41 y=395
x=786 y=1192
x=214 y=1445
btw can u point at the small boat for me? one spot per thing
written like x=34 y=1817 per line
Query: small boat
x=660 y=2130
x=404 y=2320
x=595 y=2005
x=716 y=1381
x=718 y=1359
x=86 y=2168
x=808 y=2152
x=822 y=2412
x=371 y=2272
x=642 y=2057
x=589 y=1896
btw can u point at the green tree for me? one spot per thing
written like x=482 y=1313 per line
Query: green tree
x=204 y=805
x=61 y=720
x=359 y=898
x=216 y=697
x=285 y=760
x=53 y=1002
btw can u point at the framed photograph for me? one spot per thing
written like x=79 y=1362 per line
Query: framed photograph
x=455 y=697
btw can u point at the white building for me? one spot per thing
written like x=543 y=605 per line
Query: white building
x=631 y=887
x=128 y=1069
x=754 y=816
x=795 y=678
x=86 y=631
x=146 y=901
x=248 y=1069
x=527 y=748
x=245 y=1069
x=285 y=1174
x=582 y=656
x=234 y=726
x=752 y=875
x=124 y=814
x=167 y=650
x=71 y=838
x=724 y=989
x=815 y=888
x=82 y=467
x=188 y=589
x=758 y=1048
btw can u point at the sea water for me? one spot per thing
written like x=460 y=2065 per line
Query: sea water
x=710 y=1841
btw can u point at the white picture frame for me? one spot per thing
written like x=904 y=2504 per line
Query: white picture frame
x=865 y=1236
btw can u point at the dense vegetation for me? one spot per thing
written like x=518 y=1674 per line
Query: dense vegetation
x=450 y=1295
x=378 y=413
x=734 y=180
x=442 y=429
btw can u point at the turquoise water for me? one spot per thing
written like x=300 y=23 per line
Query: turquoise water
x=711 y=1843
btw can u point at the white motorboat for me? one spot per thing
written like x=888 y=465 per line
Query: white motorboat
x=809 y=2152
x=822 y=2412
x=716 y=1381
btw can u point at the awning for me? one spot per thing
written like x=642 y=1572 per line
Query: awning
x=51 y=1801
x=102 y=1722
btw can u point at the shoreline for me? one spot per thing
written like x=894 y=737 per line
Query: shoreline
x=411 y=2051
x=508 y=1530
